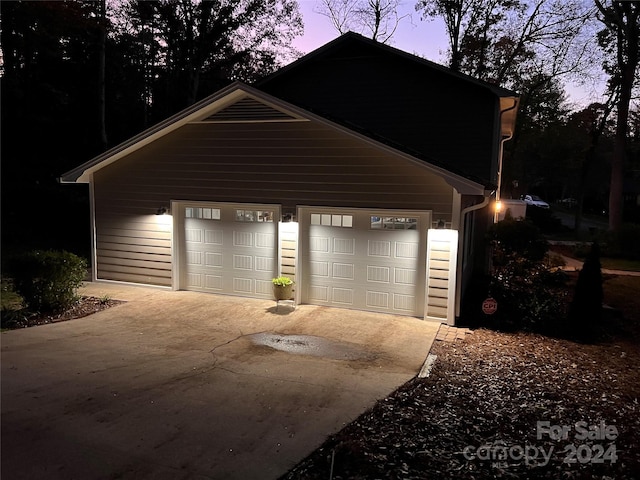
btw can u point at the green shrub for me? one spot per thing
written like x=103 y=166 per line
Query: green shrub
x=531 y=296
x=516 y=237
x=48 y=280
x=525 y=282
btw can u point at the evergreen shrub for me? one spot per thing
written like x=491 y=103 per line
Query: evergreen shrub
x=47 y=280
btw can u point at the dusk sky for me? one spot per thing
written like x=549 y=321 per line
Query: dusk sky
x=414 y=35
x=426 y=38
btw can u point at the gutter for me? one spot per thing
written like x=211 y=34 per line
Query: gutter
x=504 y=138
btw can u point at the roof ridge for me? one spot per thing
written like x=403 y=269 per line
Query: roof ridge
x=354 y=36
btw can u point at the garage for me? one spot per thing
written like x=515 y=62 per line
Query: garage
x=228 y=248
x=370 y=260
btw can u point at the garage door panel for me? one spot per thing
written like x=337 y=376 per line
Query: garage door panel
x=213 y=259
x=379 y=248
x=213 y=282
x=264 y=264
x=194 y=280
x=405 y=276
x=343 y=271
x=243 y=262
x=318 y=293
x=342 y=296
x=319 y=269
x=319 y=244
x=406 y=250
x=377 y=299
x=242 y=239
x=265 y=240
x=243 y=285
x=264 y=287
x=194 y=258
x=405 y=303
x=344 y=246
x=214 y=237
x=193 y=235
x=378 y=274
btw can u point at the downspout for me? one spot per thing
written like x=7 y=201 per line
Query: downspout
x=504 y=138
x=461 y=244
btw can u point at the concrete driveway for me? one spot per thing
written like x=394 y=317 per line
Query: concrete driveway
x=174 y=385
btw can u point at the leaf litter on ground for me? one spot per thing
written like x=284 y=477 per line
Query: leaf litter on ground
x=476 y=415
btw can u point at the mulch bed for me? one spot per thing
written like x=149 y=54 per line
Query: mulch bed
x=85 y=306
x=476 y=415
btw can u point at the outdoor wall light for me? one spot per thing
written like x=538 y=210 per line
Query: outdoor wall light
x=498 y=206
x=440 y=224
x=162 y=211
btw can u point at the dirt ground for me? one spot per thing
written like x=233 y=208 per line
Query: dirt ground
x=504 y=405
x=86 y=305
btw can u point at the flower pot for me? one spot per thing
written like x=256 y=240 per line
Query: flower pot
x=283 y=292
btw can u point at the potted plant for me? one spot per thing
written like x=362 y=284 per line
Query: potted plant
x=283 y=288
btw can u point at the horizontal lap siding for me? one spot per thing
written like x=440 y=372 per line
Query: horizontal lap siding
x=132 y=248
x=289 y=163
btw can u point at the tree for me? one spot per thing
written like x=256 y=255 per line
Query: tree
x=593 y=121
x=506 y=41
x=378 y=19
x=465 y=19
x=197 y=46
x=621 y=38
x=102 y=102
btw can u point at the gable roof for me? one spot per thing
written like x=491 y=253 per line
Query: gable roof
x=356 y=38
x=239 y=102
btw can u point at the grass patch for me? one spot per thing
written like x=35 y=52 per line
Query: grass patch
x=612 y=263
x=623 y=292
x=620 y=264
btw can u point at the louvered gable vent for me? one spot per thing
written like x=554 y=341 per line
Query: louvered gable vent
x=248 y=110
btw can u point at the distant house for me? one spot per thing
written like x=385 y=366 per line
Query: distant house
x=362 y=171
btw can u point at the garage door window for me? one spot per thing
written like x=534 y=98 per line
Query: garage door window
x=332 y=220
x=393 y=223
x=204 y=213
x=254 y=216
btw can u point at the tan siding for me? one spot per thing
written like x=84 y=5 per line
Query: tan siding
x=288 y=250
x=437 y=280
x=133 y=248
x=289 y=163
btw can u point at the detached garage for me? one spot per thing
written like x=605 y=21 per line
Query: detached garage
x=255 y=181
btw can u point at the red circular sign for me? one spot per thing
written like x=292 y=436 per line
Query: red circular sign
x=489 y=306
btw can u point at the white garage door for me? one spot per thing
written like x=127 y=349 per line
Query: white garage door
x=229 y=249
x=366 y=260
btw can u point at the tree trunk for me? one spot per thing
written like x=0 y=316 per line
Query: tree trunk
x=102 y=41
